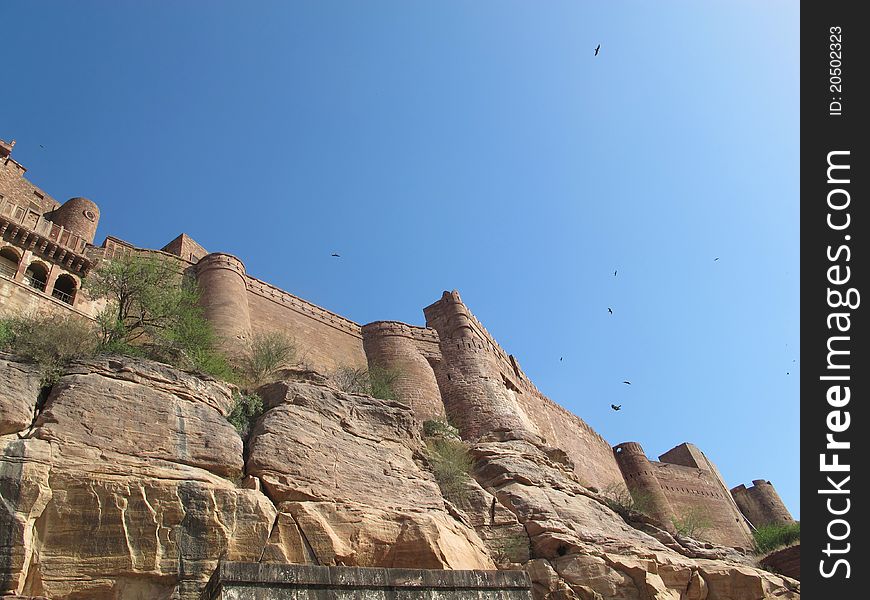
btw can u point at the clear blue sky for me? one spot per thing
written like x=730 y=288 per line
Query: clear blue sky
x=475 y=145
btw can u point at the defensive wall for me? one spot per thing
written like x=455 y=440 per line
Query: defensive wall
x=761 y=504
x=484 y=389
x=452 y=368
x=684 y=488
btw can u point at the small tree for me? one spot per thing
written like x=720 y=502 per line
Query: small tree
x=693 y=522
x=375 y=381
x=152 y=310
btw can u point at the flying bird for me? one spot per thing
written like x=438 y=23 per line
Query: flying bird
x=41 y=146
x=627 y=382
x=610 y=310
x=560 y=359
x=614 y=273
x=616 y=406
x=336 y=254
x=597 y=49
x=715 y=259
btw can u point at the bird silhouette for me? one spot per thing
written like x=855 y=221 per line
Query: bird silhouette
x=336 y=254
x=610 y=310
x=41 y=146
x=715 y=259
x=616 y=406
x=614 y=273
x=597 y=49
x=560 y=359
x=627 y=382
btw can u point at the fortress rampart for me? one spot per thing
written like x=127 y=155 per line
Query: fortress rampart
x=684 y=488
x=453 y=367
x=410 y=352
x=761 y=504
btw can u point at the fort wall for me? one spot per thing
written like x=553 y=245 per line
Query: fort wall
x=410 y=352
x=485 y=389
x=641 y=478
x=693 y=490
x=326 y=341
x=761 y=504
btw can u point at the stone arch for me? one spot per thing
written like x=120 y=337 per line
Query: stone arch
x=36 y=275
x=65 y=288
x=10 y=258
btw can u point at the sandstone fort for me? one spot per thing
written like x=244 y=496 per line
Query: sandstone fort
x=129 y=482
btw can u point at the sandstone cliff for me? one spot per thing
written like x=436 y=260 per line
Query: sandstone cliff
x=125 y=480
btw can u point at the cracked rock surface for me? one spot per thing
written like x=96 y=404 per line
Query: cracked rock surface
x=130 y=484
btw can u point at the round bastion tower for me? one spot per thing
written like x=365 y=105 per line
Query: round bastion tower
x=224 y=298
x=78 y=215
x=761 y=504
x=640 y=478
x=476 y=396
x=393 y=345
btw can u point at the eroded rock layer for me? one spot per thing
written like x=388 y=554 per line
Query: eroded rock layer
x=127 y=482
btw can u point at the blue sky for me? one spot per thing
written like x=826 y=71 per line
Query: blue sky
x=471 y=145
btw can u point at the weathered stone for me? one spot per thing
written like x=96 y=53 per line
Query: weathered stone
x=118 y=493
x=24 y=494
x=786 y=561
x=342 y=466
x=141 y=410
x=19 y=391
x=238 y=581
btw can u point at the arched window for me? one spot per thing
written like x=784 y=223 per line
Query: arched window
x=36 y=275
x=64 y=289
x=8 y=262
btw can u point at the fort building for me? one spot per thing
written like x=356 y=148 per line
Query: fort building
x=450 y=368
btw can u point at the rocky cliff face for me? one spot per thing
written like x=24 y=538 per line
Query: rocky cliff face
x=125 y=481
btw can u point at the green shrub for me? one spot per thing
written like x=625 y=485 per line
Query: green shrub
x=771 y=537
x=246 y=411
x=267 y=354
x=440 y=428
x=375 y=381
x=50 y=341
x=620 y=500
x=451 y=464
x=693 y=522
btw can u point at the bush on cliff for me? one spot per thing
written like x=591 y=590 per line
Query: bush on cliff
x=620 y=500
x=375 y=381
x=771 y=537
x=247 y=409
x=693 y=522
x=152 y=310
x=265 y=357
x=451 y=463
x=50 y=341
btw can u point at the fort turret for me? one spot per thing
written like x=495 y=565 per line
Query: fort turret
x=222 y=283
x=78 y=215
x=478 y=396
x=402 y=350
x=640 y=478
x=761 y=504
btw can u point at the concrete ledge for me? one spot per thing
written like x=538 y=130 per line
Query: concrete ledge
x=240 y=581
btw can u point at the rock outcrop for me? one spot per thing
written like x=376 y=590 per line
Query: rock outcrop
x=130 y=483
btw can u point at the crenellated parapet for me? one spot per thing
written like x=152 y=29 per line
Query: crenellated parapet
x=761 y=504
x=275 y=294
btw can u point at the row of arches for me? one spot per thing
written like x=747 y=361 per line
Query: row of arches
x=36 y=275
